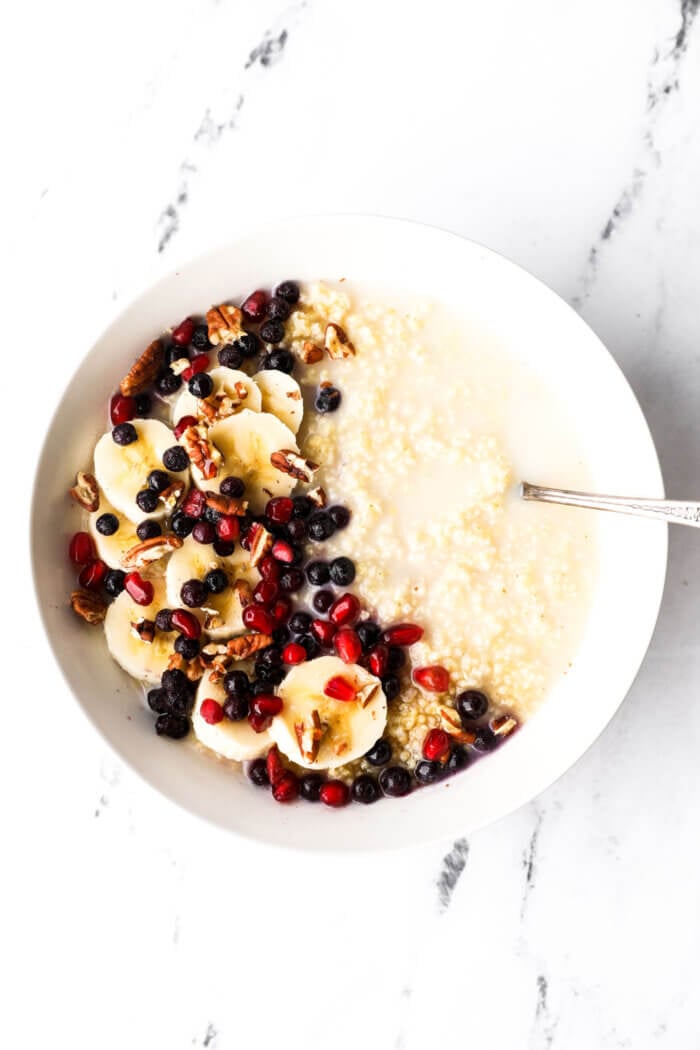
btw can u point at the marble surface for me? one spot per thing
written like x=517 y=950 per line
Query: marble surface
x=563 y=135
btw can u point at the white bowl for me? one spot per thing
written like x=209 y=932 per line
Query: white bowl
x=488 y=293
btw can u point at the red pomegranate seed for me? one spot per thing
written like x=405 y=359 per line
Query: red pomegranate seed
x=211 y=711
x=282 y=551
x=335 y=793
x=269 y=569
x=347 y=645
x=266 y=705
x=339 y=688
x=92 y=574
x=255 y=306
x=435 y=679
x=279 y=509
x=273 y=765
x=403 y=634
x=139 y=589
x=293 y=653
x=344 y=610
x=194 y=503
x=259 y=723
x=184 y=424
x=281 y=611
x=121 y=409
x=324 y=630
x=184 y=332
x=436 y=745
x=186 y=623
x=378 y=660
x=199 y=363
x=266 y=592
x=286 y=789
x=228 y=527
x=81 y=549
x=258 y=619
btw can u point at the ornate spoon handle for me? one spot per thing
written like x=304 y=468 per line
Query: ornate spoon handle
x=670 y=510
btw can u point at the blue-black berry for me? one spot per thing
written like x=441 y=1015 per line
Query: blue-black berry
x=272 y=331
x=107 y=524
x=175 y=458
x=147 y=500
x=158 y=480
x=342 y=571
x=146 y=530
x=328 y=399
x=201 y=385
x=125 y=434
x=114 y=582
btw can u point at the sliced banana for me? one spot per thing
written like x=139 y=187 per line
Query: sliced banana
x=122 y=470
x=223 y=612
x=142 y=660
x=227 y=381
x=281 y=396
x=246 y=441
x=111 y=548
x=346 y=729
x=235 y=740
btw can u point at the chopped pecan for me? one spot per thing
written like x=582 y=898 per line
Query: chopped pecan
x=144 y=371
x=318 y=496
x=310 y=353
x=212 y=618
x=194 y=669
x=88 y=606
x=146 y=551
x=309 y=736
x=224 y=323
x=337 y=344
x=202 y=453
x=449 y=720
x=367 y=692
x=180 y=365
x=226 y=504
x=246 y=644
x=260 y=542
x=290 y=462
x=85 y=491
x=504 y=725
x=244 y=592
x=144 y=629
x=170 y=496
x=340 y=747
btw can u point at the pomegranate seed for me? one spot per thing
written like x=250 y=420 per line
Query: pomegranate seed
x=293 y=653
x=228 y=527
x=335 y=793
x=92 y=574
x=436 y=745
x=139 y=589
x=286 y=789
x=347 y=645
x=273 y=765
x=258 y=619
x=255 y=306
x=259 y=723
x=283 y=551
x=324 y=630
x=269 y=569
x=402 y=634
x=339 y=688
x=121 y=409
x=279 y=509
x=266 y=592
x=211 y=711
x=199 y=363
x=81 y=549
x=344 y=610
x=266 y=705
x=186 y=623
x=194 y=503
x=281 y=611
x=184 y=424
x=184 y=332
x=378 y=660
x=435 y=679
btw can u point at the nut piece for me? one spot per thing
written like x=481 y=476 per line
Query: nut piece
x=246 y=644
x=290 y=462
x=225 y=324
x=88 y=606
x=144 y=553
x=310 y=353
x=260 y=542
x=337 y=344
x=244 y=591
x=309 y=736
x=449 y=721
x=504 y=725
x=366 y=693
x=194 y=669
x=212 y=619
x=144 y=629
x=202 y=453
x=226 y=504
x=85 y=491
x=318 y=496
x=170 y=496
x=180 y=365
x=144 y=371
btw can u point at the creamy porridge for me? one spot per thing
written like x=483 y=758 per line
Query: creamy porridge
x=302 y=535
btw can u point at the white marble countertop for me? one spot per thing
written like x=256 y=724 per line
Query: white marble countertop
x=561 y=134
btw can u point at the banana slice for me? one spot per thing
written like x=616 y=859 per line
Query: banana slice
x=122 y=470
x=111 y=548
x=234 y=740
x=142 y=660
x=236 y=385
x=281 y=396
x=246 y=441
x=223 y=612
x=333 y=731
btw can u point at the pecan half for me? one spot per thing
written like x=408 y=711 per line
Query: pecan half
x=170 y=496
x=337 y=344
x=309 y=736
x=146 y=551
x=144 y=371
x=260 y=542
x=246 y=644
x=226 y=504
x=224 y=324
x=144 y=629
x=318 y=496
x=85 y=491
x=88 y=606
x=194 y=669
x=504 y=725
x=202 y=453
x=449 y=721
x=290 y=462
x=310 y=353
x=244 y=591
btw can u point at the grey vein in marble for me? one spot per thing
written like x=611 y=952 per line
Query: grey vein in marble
x=529 y=861
x=269 y=50
x=210 y=1037
x=453 y=864
x=544 y=1026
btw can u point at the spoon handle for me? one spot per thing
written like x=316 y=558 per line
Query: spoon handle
x=670 y=510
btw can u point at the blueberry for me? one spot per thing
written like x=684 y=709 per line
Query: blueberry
x=272 y=676
x=147 y=500
x=257 y=772
x=459 y=759
x=342 y=572
x=369 y=633
x=320 y=526
x=175 y=683
x=310 y=645
x=302 y=506
x=340 y=516
x=292 y=580
x=310 y=786
x=182 y=524
x=318 y=573
x=168 y=383
x=157 y=700
x=391 y=686
x=147 y=529
x=125 y=434
x=175 y=458
x=174 y=726
x=107 y=524
x=158 y=480
x=328 y=399
x=200 y=338
x=248 y=344
x=289 y=291
x=193 y=594
x=216 y=581
x=186 y=647
x=323 y=600
x=236 y=682
x=114 y=582
x=233 y=487
x=230 y=357
x=201 y=385
x=380 y=753
x=279 y=360
x=204 y=532
x=272 y=331
x=485 y=740
x=224 y=548
x=365 y=789
x=395 y=781
x=175 y=352
x=236 y=707
x=144 y=404
x=300 y=623
x=281 y=635
x=268 y=658
x=260 y=685
x=428 y=772
x=396 y=660
x=278 y=308
x=471 y=704
x=182 y=705
x=211 y=515
x=296 y=530
x=164 y=620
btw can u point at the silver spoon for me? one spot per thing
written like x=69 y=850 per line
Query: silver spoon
x=670 y=510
